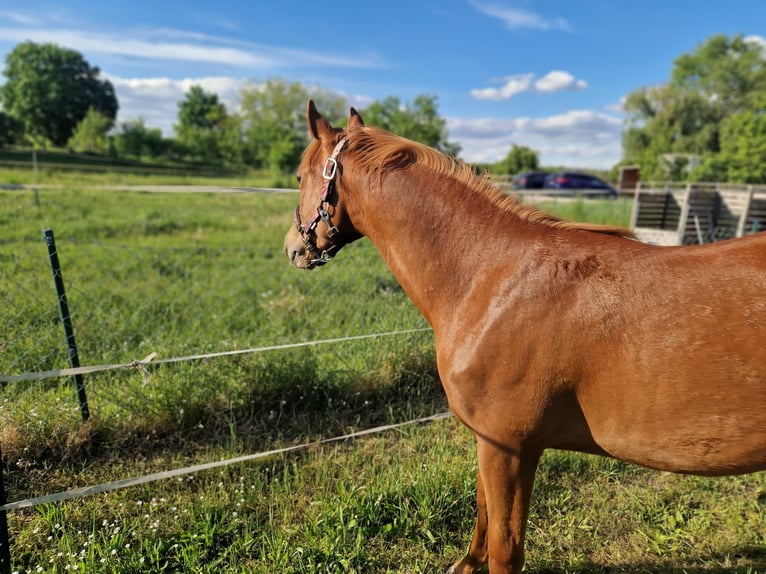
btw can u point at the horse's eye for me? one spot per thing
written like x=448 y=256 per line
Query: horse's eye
x=298 y=177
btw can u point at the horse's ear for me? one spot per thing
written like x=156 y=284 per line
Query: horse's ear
x=319 y=127
x=354 y=119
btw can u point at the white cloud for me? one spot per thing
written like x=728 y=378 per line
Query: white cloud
x=578 y=138
x=616 y=107
x=22 y=18
x=558 y=80
x=554 y=81
x=178 y=45
x=513 y=85
x=156 y=99
x=358 y=101
x=516 y=19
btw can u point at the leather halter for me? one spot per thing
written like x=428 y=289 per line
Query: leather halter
x=320 y=214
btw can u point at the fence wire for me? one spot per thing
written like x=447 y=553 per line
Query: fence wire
x=178 y=284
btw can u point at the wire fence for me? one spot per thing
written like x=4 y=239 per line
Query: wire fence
x=128 y=303
x=173 y=332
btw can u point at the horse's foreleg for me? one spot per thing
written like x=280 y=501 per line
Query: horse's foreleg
x=477 y=553
x=507 y=473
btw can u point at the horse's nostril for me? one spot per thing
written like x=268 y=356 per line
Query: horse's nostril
x=294 y=255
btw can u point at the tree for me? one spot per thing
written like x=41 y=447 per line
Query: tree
x=230 y=140
x=10 y=129
x=50 y=89
x=91 y=134
x=669 y=121
x=201 y=119
x=728 y=72
x=684 y=118
x=418 y=121
x=273 y=118
x=136 y=140
x=200 y=109
x=742 y=158
x=520 y=158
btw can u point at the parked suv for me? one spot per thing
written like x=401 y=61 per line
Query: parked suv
x=529 y=180
x=588 y=184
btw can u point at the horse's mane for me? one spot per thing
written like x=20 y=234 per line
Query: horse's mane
x=376 y=149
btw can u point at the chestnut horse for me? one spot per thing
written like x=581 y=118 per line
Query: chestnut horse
x=549 y=334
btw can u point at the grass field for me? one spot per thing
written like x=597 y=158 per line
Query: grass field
x=180 y=274
x=63 y=168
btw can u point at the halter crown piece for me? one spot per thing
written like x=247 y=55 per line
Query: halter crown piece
x=320 y=214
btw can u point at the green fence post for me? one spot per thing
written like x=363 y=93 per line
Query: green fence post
x=66 y=319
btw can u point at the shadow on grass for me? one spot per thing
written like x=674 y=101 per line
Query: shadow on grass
x=275 y=402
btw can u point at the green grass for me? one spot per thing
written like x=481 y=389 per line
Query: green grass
x=80 y=179
x=180 y=274
x=608 y=212
x=57 y=168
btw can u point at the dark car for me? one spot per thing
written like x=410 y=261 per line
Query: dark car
x=529 y=180
x=583 y=182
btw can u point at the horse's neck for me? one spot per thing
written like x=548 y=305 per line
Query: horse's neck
x=434 y=242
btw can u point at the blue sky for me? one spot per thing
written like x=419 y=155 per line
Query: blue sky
x=548 y=74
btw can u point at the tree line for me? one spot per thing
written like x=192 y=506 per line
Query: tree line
x=707 y=122
x=53 y=98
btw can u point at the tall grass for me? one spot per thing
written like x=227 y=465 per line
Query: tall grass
x=179 y=274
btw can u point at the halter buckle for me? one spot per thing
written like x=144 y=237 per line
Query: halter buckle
x=330 y=167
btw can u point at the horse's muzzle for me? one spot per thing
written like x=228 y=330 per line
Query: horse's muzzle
x=296 y=251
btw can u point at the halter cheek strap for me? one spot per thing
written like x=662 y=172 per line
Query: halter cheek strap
x=329 y=172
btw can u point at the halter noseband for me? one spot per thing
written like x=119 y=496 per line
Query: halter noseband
x=321 y=214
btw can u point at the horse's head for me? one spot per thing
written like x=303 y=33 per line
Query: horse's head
x=322 y=226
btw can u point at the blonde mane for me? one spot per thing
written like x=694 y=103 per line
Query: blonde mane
x=375 y=149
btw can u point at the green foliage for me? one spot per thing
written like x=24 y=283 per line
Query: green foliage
x=91 y=134
x=231 y=141
x=50 y=89
x=671 y=126
x=728 y=72
x=201 y=122
x=673 y=120
x=134 y=139
x=743 y=144
x=418 y=121
x=11 y=130
x=520 y=158
x=200 y=109
x=274 y=121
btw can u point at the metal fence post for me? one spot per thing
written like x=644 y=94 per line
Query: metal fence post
x=66 y=319
x=5 y=539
